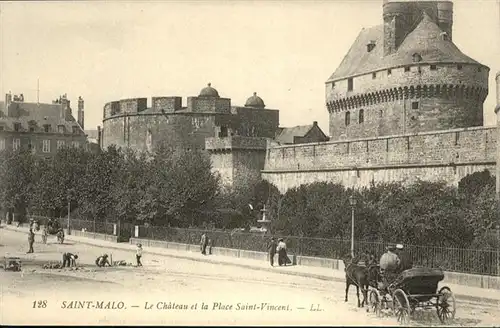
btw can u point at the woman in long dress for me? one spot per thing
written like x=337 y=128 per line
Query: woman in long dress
x=281 y=248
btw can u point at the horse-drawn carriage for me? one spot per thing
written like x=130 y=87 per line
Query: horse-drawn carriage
x=416 y=288
x=54 y=227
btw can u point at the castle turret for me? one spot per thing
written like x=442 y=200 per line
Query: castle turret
x=81 y=112
x=401 y=17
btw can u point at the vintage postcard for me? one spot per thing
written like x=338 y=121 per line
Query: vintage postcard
x=257 y=163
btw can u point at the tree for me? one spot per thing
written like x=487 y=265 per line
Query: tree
x=17 y=181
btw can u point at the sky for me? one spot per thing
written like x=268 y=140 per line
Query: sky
x=283 y=50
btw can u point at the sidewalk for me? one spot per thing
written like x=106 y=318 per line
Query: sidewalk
x=473 y=294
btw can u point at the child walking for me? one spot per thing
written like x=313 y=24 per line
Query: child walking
x=138 y=255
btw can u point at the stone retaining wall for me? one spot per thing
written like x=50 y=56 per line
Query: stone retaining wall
x=465 y=279
x=93 y=235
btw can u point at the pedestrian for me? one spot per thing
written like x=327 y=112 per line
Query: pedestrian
x=272 y=250
x=138 y=255
x=44 y=234
x=210 y=245
x=203 y=244
x=282 y=256
x=69 y=259
x=31 y=240
x=102 y=260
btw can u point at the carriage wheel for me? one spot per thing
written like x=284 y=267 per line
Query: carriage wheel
x=401 y=306
x=446 y=305
x=375 y=302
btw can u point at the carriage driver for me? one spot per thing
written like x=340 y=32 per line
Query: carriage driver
x=389 y=264
x=405 y=260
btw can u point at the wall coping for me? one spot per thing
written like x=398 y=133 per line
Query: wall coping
x=475 y=128
x=378 y=167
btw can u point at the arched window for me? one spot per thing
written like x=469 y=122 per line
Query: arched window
x=361 y=115
x=347 y=118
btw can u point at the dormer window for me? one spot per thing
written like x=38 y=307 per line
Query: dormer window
x=370 y=46
x=61 y=129
x=417 y=57
x=444 y=36
x=46 y=127
x=374 y=75
x=17 y=127
x=75 y=130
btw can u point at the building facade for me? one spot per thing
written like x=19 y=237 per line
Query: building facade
x=41 y=128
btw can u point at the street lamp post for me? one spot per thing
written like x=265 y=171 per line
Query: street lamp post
x=352 y=201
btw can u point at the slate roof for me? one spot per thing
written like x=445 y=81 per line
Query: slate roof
x=40 y=114
x=425 y=40
x=286 y=135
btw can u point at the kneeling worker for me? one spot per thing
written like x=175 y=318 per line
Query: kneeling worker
x=70 y=259
x=102 y=260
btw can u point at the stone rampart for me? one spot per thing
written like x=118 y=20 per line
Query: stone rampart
x=396 y=101
x=235 y=142
x=443 y=155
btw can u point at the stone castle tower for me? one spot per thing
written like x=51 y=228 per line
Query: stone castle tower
x=406 y=76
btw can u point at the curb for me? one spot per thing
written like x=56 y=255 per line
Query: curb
x=465 y=297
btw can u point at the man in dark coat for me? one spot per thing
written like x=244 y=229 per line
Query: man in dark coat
x=31 y=240
x=272 y=250
x=203 y=244
x=405 y=259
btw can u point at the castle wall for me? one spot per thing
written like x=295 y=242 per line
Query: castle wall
x=447 y=98
x=448 y=155
x=179 y=130
x=222 y=163
x=256 y=122
x=209 y=104
x=247 y=165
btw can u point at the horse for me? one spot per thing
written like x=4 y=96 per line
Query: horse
x=358 y=276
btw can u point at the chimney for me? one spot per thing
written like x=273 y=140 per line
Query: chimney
x=65 y=107
x=315 y=123
x=8 y=101
x=81 y=116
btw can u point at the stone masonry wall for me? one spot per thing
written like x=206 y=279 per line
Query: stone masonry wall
x=447 y=155
x=451 y=97
x=179 y=130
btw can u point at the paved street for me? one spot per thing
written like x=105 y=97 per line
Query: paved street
x=178 y=291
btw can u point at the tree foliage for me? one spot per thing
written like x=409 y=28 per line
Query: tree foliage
x=178 y=188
